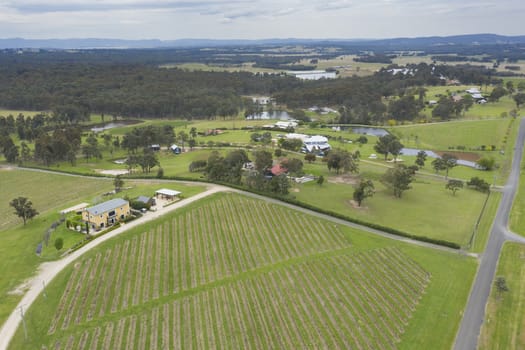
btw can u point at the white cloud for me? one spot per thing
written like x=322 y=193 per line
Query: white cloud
x=171 y=19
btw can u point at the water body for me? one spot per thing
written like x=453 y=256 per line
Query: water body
x=365 y=130
x=279 y=115
x=431 y=154
x=107 y=127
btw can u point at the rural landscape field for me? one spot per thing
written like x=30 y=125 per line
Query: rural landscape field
x=266 y=194
x=236 y=272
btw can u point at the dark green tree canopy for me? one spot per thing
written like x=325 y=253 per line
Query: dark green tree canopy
x=23 y=208
x=398 y=179
x=454 y=186
x=388 y=144
x=363 y=190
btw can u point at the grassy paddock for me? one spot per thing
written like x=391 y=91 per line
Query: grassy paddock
x=426 y=210
x=16 y=112
x=329 y=279
x=505 y=320
x=441 y=136
x=48 y=192
x=517 y=215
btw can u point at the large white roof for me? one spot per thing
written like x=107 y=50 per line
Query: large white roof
x=167 y=192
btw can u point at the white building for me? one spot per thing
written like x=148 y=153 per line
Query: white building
x=313 y=74
x=473 y=91
x=286 y=124
x=261 y=100
x=311 y=144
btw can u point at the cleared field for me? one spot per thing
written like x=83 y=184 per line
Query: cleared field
x=505 y=320
x=235 y=272
x=441 y=136
x=15 y=113
x=427 y=209
x=46 y=191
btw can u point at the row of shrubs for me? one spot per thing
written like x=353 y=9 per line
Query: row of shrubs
x=298 y=203
x=320 y=210
x=480 y=148
x=88 y=238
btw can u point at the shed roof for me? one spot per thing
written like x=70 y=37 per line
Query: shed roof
x=107 y=206
x=167 y=192
x=143 y=199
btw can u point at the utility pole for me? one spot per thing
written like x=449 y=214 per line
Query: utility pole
x=44 y=288
x=23 y=321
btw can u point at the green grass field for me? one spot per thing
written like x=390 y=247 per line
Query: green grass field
x=517 y=215
x=235 y=272
x=440 y=136
x=15 y=113
x=427 y=209
x=48 y=192
x=505 y=321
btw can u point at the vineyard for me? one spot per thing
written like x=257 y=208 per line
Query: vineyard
x=236 y=273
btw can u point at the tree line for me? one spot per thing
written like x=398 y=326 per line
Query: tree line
x=71 y=92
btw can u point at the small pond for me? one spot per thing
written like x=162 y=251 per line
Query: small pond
x=112 y=125
x=431 y=154
x=366 y=130
x=107 y=127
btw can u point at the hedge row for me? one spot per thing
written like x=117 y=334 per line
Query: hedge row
x=293 y=201
x=89 y=238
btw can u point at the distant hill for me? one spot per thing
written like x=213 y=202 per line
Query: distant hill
x=395 y=43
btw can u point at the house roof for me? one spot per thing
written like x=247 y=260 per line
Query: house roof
x=277 y=170
x=167 y=192
x=143 y=199
x=107 y=206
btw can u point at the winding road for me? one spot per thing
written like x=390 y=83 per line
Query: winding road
x=473 y=317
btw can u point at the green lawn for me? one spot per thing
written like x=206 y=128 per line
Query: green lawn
x=306 y=283
x=504 y=320
x=15 y=113
x=428 y=209
x=517 y=215
x=441 y=136
x=48 y=192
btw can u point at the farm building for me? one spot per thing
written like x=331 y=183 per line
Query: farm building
x=106 y=214
x=311 y=144
x=146 y=200
x=473 y=91
x=313 y=74
x=285 y=124
x=262 y=100
x=168 y=194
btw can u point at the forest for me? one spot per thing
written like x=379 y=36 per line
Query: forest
x=71 y=90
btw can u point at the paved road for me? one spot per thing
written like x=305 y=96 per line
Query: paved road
x=468 y=334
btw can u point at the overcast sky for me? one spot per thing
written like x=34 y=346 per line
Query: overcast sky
x=257 y=19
